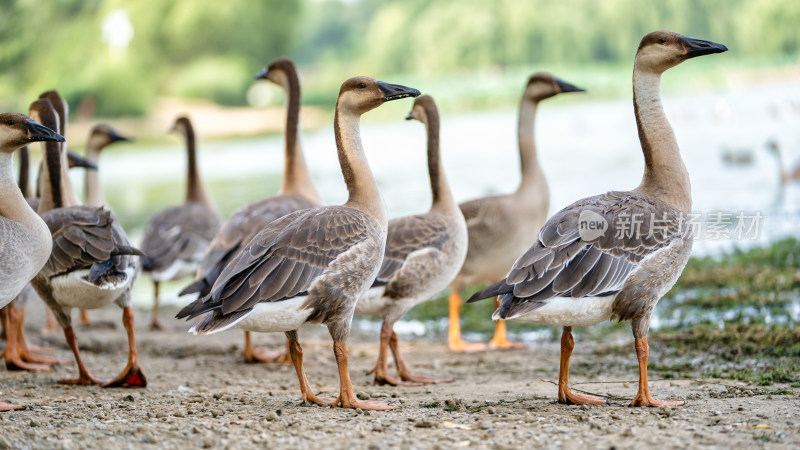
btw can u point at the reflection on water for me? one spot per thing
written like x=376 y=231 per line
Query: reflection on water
x=585 y=147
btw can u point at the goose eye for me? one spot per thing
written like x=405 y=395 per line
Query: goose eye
x=10 y=122
x=361 y=85
x=662 y=41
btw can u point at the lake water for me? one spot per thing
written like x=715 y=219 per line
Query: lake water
x=585 y=146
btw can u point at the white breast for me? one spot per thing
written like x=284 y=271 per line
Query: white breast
x=373 y=303
x=75 y=291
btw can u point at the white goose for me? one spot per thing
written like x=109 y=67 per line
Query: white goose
x=612 y=256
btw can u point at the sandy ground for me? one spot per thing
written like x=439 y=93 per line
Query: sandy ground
x=200 y=394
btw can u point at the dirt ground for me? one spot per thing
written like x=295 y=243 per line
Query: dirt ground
x=201 y=395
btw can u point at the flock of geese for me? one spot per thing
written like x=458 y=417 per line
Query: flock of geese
x=285 y=261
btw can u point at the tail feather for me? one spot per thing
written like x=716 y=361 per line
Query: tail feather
x=200 y=286
x=494 y=290
x=148 y=265
x=216 y=321
x=126 y=250
x=512 y=307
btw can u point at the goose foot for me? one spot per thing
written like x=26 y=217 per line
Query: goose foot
x=454 y=341
x=643 y=397
x=361 y=404
x=460 y=346
x=384 y=379
x=647 y=400
x=84 y=379
x=573 y=398
x=156 y=325
x=85 y=320
x=131 y=376
x=500 y=339
x=5 y=406
x=18 y=364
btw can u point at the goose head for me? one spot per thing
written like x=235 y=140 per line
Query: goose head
x=420 y=109
x=18 y=130
x=361 y=94
x=278 y=71
x=103 y=135
x=182 y=125
x=661 y=50
x=542 y=85
x=75 y=160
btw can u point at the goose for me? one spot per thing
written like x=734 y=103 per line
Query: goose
x=784 y=175
x=92 y=261
x=25 y=240
x=501 y=227
x=614 y=255
x=312 y=265
x=17 y=353
x=423 y=254
x=100 y=137
x=297 y=192
x=176 y=238
x=62 y=111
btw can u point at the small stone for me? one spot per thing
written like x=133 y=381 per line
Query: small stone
x=217 y=396
x=179 y=413
x=208 y=443
x=217 y=412
x=664 y=410
x=627 y=432
x=490 y=410
x=485 y=425
x=379 y=395
x=271 y=416
x=424 y=424
x=33 y=423
x=363 y=395
x=128 y=398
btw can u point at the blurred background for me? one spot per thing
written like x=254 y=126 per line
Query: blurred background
x=137 y=65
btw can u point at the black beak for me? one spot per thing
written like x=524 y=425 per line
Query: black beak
x=408 y=116
x=262 y=75
x=115 y=136
x=40 y=133
x=566 y=87
x=698 y=47
x=396 y=91
x=77 y=161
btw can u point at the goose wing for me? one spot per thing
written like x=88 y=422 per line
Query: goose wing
x=178 y=233
x=236 y=232
x=281 y=262
x=407 y=235
x=87 y=237
x=573 y=258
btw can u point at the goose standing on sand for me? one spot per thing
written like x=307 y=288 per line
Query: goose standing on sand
x=503 y=226
x=92 y=261
x=25 y=241
x=17 y=353
x=176 y=238
x=423 y=254
x=312 y=266
x=612 y=256
x=297 y=192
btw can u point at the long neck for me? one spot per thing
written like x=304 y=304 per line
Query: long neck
x=94 y=193
x=361 y=185
x=24 y=180
x=296 y=177
x=529 y=163
x=440 y=188
x=665 y=176
x=57 y=189
x=195 y=191
x=12 y=204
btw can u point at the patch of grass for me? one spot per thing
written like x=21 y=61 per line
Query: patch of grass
x=433 y=404
x=779 y=392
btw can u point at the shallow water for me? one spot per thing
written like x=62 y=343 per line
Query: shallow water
x=585 y=146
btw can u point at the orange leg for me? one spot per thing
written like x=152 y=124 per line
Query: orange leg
x=402 y=368
x=347 y=397
x=643 y=397
x=454 y=331
x=14 y=360
x=258 y=355
x=131 y=375
x=5 y=406
x=26 y=351
x=83 y=374
x=381 y=369
x=297 y=359
x=85 y=319
x=565 y=394
x=500 y=340
x=155 y=324
x=4 y=322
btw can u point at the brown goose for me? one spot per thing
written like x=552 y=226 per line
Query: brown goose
x=502 y=226
x=297 y=192
x=176 y=238
x=311 y=266
x=25 y=241
x=612 y=256
x=100 y=137
x=423 y=254
x=17 y=353
x=92 y=262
